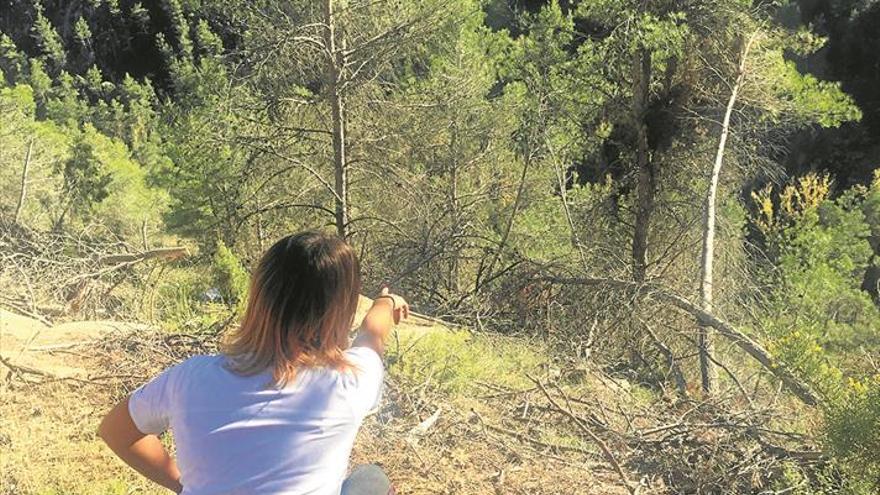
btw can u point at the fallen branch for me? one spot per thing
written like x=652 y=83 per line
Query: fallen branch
x=18 y=307
x=671 y=362
x=22 y=369
x=61 y=346
x=529 y=439
x=429 y=320
x=743 y=341
x=120 y=261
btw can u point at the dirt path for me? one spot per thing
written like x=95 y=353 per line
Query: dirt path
x=25 y=341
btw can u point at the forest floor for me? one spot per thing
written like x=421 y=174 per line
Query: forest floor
x=447 y=424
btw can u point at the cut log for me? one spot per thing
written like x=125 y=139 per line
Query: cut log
x=422 y=428
x=166 y=253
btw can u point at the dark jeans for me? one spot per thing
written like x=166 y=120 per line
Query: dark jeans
x=367 y=479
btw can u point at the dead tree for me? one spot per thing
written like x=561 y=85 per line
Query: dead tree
x=743 y=341
x=24 y=176
x=708 y=373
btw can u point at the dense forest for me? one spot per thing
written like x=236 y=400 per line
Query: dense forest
x=681 y=193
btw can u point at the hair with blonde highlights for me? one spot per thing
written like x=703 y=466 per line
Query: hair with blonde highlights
x=301 y=306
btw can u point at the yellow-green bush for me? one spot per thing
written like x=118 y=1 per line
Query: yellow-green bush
x=455 y=360
x=852 y=434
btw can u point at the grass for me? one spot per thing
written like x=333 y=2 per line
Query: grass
x=455 y=361
x=177 y=304
x=51 y=447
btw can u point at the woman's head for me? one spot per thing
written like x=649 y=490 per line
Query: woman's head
x=301 y=306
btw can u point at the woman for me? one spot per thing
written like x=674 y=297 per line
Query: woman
x=277 y=412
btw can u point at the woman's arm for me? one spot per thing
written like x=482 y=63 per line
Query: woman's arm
x=145 y=453
x=387 y=310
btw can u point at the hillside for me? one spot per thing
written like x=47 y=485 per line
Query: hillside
x=433 y=433
x=460 y=414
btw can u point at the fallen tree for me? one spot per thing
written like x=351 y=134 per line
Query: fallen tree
x=743 y=341
x=166 y=253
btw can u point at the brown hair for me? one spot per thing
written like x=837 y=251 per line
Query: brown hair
x=301 y=306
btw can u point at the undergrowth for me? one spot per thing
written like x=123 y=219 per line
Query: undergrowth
x=456 y=361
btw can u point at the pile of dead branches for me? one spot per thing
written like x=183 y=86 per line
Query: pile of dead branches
x=48 y=274
x=135 y=359
x=670 y=444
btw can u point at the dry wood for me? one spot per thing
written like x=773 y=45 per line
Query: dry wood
x=606 y=452
x=166 y=253
x=22 y=369
x=743 y=341
x=24 y=175
x=21 y=306
x=530 y=439
x=422 y=428
x=671 y=362
x=429 y=320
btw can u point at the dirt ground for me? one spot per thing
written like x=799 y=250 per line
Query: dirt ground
x=58 y=380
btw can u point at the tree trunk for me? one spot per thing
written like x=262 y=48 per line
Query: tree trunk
x=454 y=269
x=165 y=253
x=144 y=241
x=24 y=175
x=708 y=373
x=647 y=180
x=335 y=68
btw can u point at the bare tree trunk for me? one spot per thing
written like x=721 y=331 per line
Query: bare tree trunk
x=454 y=270
x=708 y=373
x=647 y=180
x=335 y=67
x=563 y=196
x=261 y=234
x=24 y=175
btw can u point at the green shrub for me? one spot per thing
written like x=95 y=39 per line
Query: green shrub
x=818 y=318
x=232 y=277
x=180 y=303
x=826 y=479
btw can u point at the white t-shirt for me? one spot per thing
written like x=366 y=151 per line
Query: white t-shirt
x=239 y=435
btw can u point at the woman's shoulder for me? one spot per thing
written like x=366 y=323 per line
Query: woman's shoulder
x=363 y=355
x=365 y=364
x=199 y=362
x=196 y=369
